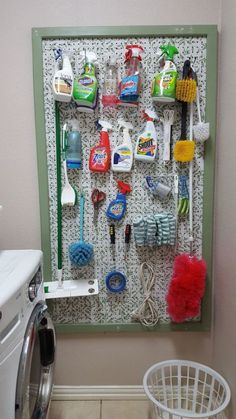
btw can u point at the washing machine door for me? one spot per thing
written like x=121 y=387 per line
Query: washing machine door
x=35 y=373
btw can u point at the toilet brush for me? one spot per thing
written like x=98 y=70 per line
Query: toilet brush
x=81 y=253
x=201 y=131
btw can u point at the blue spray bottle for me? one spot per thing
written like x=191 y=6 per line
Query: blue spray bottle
x=117 y=207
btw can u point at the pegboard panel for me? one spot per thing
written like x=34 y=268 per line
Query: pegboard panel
x=107 y=308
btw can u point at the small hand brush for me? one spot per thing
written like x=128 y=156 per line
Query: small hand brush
x=81 y=253
x=187 y=87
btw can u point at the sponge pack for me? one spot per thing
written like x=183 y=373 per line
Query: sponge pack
x=155 y=230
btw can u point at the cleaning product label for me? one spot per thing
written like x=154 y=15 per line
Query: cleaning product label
x=122 y=158
x=129 y=88
x=116 y=210
x=63 y=84
x=146 y=146
x=164 y=84
x=85 y=89
x=99 y=158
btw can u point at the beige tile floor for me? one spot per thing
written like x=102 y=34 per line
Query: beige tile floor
x=126 y=409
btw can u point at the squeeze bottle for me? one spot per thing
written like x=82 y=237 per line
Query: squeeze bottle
x=122 y=155
x=62 y=84
x=100 y=155
x=164 y=82
x=74 y=147
x=146 y=144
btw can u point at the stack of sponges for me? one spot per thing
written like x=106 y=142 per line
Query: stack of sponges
x=155 y=230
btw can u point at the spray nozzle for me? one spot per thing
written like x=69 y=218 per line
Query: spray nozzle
x=123 y=187
x=58 y=54
x=74 y=124
x=133 y=51
x=168 y=51
x=88 y=56
x=125 y=125
x=104 y=125
x=150 y=115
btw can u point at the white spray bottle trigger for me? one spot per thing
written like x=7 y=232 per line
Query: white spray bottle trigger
x=150 y=114
x=74 y=125
x=126 y=126
x=105 y=125
x=88 y=56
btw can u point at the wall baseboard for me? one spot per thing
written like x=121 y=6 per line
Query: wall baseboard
x=98 y=393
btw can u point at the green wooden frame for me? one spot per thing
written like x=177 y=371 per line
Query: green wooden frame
x=210 y=32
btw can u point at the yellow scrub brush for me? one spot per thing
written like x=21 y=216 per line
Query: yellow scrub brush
x=187 y=87
x=184 y=149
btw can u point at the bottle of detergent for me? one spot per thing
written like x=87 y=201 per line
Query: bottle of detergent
x=100 y=155
x=122 y=155
x=85 y=89
x=73 y=147
x=110 y=86
x=117 y=207
x=146 y=144
x=63 y=79
x=164 y=82
x=130 y=85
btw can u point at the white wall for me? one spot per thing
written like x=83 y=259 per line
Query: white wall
x=82 y=359
x=225 y=235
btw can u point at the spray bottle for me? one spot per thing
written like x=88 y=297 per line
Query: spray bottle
x=117 y=207
x=122 y=155
x=146 y=144
x=164 y=82
x=100 y=155
x=63 y=78
x=130 y=85
x=73 y=147
x=110 y=86
x=85 y=89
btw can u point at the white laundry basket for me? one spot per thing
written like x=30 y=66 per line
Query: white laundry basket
x=181 y=389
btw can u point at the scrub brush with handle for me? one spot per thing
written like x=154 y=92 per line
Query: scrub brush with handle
x=201 y=131
x=81 y=253
x=184 y=149
x=187 y=87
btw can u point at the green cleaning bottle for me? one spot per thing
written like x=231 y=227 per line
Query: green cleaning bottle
x=164 y=82
x=85 y=88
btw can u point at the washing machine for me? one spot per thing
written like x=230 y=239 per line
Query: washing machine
x=27 y=337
